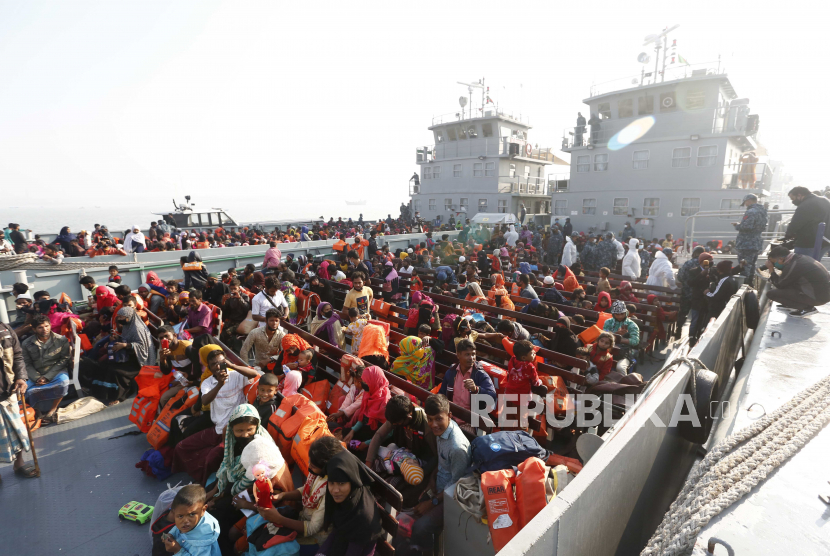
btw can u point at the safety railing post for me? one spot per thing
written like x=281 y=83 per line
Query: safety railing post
x=818 y=246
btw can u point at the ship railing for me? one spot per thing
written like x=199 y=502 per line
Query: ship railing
x=646 y=77
x=481 y=147
x=523 y=185
x=488 y=112
x=747 y=175
x=693 y=232
x=682 y=118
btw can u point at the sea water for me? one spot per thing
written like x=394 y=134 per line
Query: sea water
x=120 y=216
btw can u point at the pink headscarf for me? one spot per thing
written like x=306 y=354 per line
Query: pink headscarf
x=324 y=270
x=292 y=382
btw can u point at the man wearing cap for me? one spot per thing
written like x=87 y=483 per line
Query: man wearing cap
x=749 y=242
x=628 y=329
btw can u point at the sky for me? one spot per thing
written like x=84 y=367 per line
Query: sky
x=283 y=110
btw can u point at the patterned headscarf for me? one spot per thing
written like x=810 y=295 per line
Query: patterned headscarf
x=135 y=332
x=416 y=362
x=232 y=470
x=289 y=341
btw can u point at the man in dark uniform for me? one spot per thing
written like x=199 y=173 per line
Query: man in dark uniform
x=749 y=242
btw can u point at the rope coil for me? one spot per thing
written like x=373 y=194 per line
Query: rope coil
x=738 y=463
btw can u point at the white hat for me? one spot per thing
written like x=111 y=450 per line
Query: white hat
x=548 y=280
x=410 y=250
x=461 y=259
x=24 y=296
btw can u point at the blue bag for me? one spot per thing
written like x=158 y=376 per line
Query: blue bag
x=503 y=450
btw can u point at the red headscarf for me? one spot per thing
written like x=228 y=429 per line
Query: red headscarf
x=292 y=341
x=627 y=293
x=104 y=297
x=154 y=280
x=607 y=297
x=374 y=401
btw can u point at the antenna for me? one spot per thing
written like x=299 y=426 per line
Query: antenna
x=470 y=87
x=656 y=40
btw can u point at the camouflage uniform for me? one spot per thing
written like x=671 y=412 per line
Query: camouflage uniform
x=605 y=254
x=555 y=245
x=588 y=256
x=749 y=242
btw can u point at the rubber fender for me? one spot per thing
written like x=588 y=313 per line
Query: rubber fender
x=706 y=388
x=752 y=310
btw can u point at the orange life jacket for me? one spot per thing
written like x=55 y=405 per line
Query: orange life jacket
x=310 y=430
x=160 y=430
x=530 y=490
x=502 y=513
x=287 y=420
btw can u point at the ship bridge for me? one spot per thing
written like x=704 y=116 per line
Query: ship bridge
x=482 y=163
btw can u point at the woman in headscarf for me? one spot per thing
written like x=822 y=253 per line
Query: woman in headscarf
x=351 y=509
x=257 y=282
x=603 y=303
x=326 y=325
x=423 y=311
x=322 y=288
x=323 y=271
x=561 y=339
x=292 y=383
x=155 y=282
x=627 y=293
x=311 y=533
x=391 y=282
x=111 y=378
x=134 y=241
x=372 y=412
x=498 y=296
x=475 y=294
x=292 y=345
x=65 y=237
x=247 y=277
x=246 y=444
x=374 y=346
x=416 y=363
x=104 y=297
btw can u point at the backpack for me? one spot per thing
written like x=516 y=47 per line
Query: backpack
x=503 y=450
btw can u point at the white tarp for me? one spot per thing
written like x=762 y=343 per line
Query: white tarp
x=491 y=218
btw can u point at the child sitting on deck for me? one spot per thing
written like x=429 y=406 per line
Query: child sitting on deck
x=196 y=532
x=522 y=377
x=266 y=392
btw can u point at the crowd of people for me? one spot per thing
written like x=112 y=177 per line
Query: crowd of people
x=420 y=449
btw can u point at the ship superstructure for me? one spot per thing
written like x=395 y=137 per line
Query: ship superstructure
x=482 y=161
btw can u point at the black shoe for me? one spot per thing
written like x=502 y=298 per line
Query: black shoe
x=801 y=313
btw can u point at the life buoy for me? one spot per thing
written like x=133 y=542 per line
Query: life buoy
x=528 y=149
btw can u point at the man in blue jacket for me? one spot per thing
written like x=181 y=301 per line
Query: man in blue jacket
x=466 y=378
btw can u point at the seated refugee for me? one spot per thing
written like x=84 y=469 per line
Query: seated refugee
x=173 y=358
x=292 y=345
x=374 y=346
x=453 y=461
x=199 y=316
x=599 y=354
x=246 y=444
x=423 y=311
x=153 y=300
x=416 y=363
x=355 y=329
x=372 y=411
x=266 y=402
x=196 y=532
x=266 y=341
x=350 y=370
x=235 y=306
x=604 y=302
x=312 y=496
x=467 y=377
x=109 y=374
x=351 y=510
x=201 y=454
x=359 y=296
x=522 y=378
x=662 y=316
x=47 y=358
x=561 y=339
x=326 y=326
x=630 y=332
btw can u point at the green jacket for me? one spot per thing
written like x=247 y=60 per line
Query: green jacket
x=46 y=359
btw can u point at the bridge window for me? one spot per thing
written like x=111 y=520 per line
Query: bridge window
x=462 y=133
x=487 y=129
x=451 y=133
x=707 y=155
x=620 y=207
x=651 y=206
x=583 y=164
x=680 y=157
x=471 y=132
x=695 y=100
x=604 y=109
x=645 y=105
x=625 y=108
x=690 y=206
x=589 y=206
x=439 y=136
x=601 y=162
